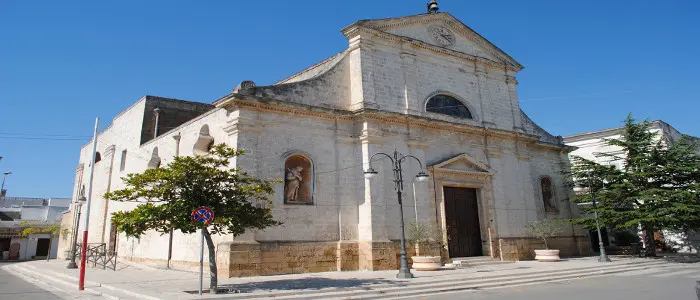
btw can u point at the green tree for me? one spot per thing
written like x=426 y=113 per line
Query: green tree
x=34 y=227
x=168 y=196
x=657 y=188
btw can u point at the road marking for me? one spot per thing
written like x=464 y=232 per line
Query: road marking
x=675 y=273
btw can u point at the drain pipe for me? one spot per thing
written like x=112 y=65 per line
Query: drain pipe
x=170 y=238
x=156 y=112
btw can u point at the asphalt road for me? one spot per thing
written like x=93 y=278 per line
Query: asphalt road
x=13 y=287
x=668 y=284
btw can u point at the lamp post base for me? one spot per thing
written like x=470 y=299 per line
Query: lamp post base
x=604 y=259
x=404 y=274
x=72 y=265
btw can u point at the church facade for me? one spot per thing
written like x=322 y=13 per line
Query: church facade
x=424 y=85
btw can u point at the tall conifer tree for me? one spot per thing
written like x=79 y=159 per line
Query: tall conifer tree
x=656 y=188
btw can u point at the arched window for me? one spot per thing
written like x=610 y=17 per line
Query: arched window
x=548 y=194
x=447 y=105
x=154 y=162
x=204 y=142
x=298 y=180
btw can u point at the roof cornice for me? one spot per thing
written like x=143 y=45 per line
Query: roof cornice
x=377 y=30
x=355 y=31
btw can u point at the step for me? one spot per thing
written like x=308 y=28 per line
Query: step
x=466 y=262
x=460 y=285
x=447 y=281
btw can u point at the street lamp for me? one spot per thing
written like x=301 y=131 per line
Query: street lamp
x=603 y=256
x=396 y=160
x=79 y=205
x=2 y=187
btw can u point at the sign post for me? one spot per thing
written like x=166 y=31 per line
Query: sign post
x=205 y=216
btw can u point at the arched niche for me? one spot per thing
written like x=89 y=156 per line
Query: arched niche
x=298 y=179
x=448 y=104
x=549 y=198
x=154 y=162
x=204 y=142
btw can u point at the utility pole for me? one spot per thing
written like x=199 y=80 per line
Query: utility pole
x=83 y=251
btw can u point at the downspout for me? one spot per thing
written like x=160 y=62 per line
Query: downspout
x=156 y=111
x=170 y=238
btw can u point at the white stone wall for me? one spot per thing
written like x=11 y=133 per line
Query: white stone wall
x=391 y=77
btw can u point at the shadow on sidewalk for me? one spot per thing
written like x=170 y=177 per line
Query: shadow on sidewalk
x=308 y=283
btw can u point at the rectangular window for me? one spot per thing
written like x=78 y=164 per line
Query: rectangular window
x=122 y=164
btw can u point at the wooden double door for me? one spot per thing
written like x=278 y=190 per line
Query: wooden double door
x=462 y=218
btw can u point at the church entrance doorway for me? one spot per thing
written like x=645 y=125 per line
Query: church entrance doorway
x=462 y=218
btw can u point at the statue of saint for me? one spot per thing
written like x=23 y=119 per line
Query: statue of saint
x=548 y=195
x=293 y=181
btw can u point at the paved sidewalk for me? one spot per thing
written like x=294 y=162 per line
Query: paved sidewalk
x=133 y=281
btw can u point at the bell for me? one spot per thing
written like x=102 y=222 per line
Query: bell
x=433 y=7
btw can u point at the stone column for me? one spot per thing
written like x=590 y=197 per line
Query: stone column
x=376 y=252
x=511 y=84
x=412 y=105
x=361 y=74
x=484 y=95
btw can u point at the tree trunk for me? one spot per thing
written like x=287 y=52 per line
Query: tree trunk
x=650 y=249
x=212 y=262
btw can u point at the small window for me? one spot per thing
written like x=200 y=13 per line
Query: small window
x=122 y=163
x=98 y=157
x=448 y=105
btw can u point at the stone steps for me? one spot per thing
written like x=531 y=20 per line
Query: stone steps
x=466 y=262
x=448 y=284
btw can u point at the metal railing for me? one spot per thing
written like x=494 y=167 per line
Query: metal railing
x=97 y=254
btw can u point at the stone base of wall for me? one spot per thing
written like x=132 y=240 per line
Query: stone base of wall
x=523 y=248
x=242 y=259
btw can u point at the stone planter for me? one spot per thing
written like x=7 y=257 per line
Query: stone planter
x=547 y=255
x=426 y=263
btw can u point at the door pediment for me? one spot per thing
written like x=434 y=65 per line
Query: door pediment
x=463 y=164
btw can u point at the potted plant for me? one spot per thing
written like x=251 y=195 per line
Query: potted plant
x=544 y=230
x=421 y=235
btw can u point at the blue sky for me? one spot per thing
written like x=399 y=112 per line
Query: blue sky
x=63 y=63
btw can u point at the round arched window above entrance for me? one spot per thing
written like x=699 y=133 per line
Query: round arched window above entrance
x=448 y=105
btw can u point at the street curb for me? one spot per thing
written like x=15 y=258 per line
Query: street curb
x=33 y=272
x=98 y=284
x=15 y=270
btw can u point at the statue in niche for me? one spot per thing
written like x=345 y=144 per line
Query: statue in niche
x=293 y=180
x=548 y=195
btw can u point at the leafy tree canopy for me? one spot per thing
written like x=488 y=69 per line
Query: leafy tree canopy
x=170 y=194
x=657 y=187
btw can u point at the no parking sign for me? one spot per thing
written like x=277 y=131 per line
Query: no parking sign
x=203 y=215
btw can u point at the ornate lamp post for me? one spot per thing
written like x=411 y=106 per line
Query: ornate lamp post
x=79 y=206
x=396 y=160
x=2 y=188
x=603 y=256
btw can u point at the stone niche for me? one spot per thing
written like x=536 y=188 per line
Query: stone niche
x=298 y=180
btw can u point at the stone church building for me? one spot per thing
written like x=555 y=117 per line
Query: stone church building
x=426 y=85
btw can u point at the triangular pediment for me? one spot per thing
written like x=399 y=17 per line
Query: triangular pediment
x=423 y=28
x=463 y=163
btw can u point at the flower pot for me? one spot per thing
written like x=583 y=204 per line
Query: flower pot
x=426 y=263
x=547 y=255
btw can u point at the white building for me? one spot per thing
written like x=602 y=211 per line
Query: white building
x=592 y=146
x=426 y=85
x=19 y=210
